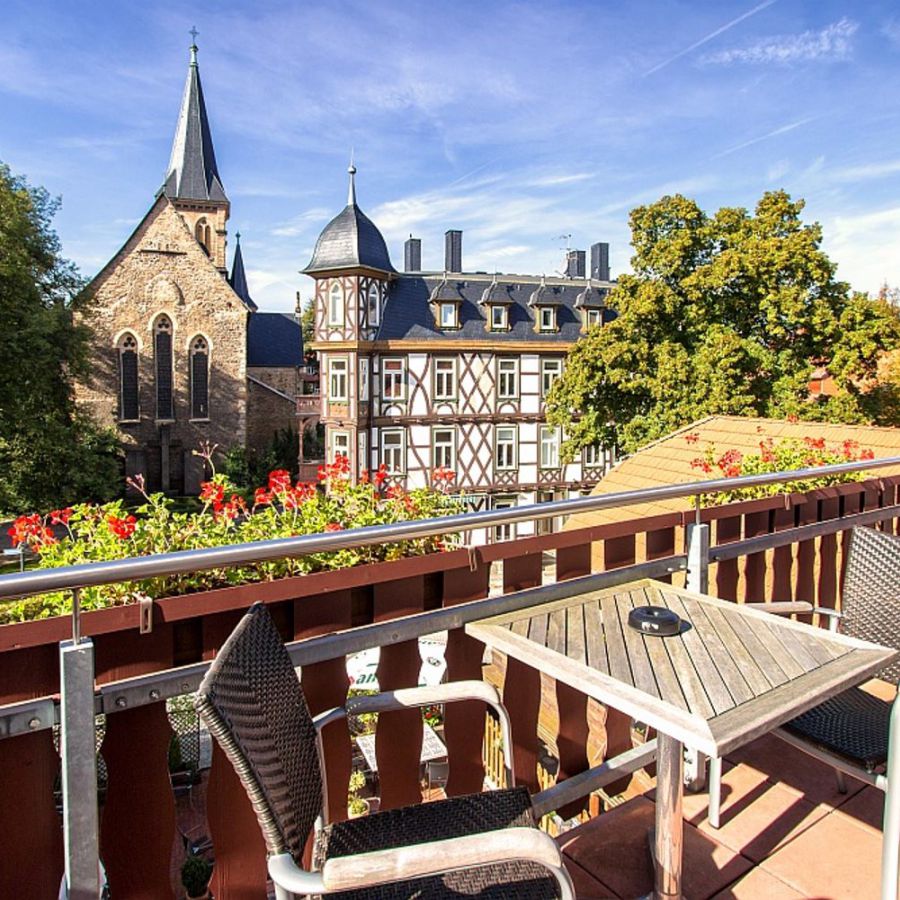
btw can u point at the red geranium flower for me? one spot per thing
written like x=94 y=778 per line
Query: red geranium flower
x=279 y=481
x=61 y=516
x=334 y=526
x=121 y=528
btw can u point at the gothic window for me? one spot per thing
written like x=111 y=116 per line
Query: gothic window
x=162 y=357
x=203 y=234
x=129 y=410
x=373 y=306
x=199 y=378
x=335 y=305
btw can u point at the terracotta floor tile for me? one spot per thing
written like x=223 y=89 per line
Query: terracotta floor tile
x=865 y=808
x=787 y=765
x=758 y=816
x=759 y=883
x=881 y=689
x=586 y=886
x=837 y=858
x=613 y=848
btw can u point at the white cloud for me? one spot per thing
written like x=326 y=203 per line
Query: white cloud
x=831 y=43
x=782 y=129
x=707 y=38
x=866 y=247
x=300 y=224
x=867 y=171
x=891 y=30
x=562 y=178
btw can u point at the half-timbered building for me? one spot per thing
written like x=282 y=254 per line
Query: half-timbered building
x=427 y=370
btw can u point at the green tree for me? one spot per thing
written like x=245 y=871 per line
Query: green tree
x=50 y=454
x=725 y=313
x=308 y=325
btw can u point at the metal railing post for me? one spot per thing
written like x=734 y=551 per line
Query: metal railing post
x=78 y=750
x=698 y=558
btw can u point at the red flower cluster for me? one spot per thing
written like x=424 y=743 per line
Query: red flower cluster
x=279 y=481
x=212 y=493
x=730 y=463
x=335 y=471
x=378 y=477
x=334 y=526
x=443 y=475
x=232 y=509
x=60 y=516
x=698 y=462
x=814 y=443
x=32 y=531
x=693 y=437
x=121 y=528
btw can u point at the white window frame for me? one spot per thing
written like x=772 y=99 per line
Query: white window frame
x=373 y=301
x=507 y=460
x=547 y=318
x=592 y=456
x=445 y=373
x=363 y=380
x=507 y=368
x=343 y=438
x=397 y=449
x=551 y=369
x=336 y=311
x=448 y=315
x=549 y=441
x=445 y=449
x=593 y=317
x=338 y=377
x=505 y=532
x=499 y=320
x=393 y=375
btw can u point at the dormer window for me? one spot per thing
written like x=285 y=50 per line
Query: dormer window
x=547 y=318
x=499 y=318
x=449 y=315
x=593 y=317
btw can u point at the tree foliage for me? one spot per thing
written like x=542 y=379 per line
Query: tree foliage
x=727 y=313
x=50 y=454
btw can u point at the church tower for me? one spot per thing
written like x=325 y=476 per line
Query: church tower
x=192 y=180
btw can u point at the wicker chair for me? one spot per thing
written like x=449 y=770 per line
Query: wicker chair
x=855 y=732
x=484 y=845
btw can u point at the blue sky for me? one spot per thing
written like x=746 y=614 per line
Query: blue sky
x=519 y=123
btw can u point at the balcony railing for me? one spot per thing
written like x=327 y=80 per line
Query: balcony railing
x=788 y=547
x=309 y=405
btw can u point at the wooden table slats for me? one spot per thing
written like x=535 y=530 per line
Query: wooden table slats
x=732 y=670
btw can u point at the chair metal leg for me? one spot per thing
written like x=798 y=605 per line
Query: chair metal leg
x=715 y=790
x=841 y=781
x=283 y=894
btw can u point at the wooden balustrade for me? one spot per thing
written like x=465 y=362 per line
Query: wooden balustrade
x=138 y=818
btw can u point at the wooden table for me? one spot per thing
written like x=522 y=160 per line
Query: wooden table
x=732 y=674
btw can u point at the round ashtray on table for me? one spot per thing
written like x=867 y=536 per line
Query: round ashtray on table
x=654 y=620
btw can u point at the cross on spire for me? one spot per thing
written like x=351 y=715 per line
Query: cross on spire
x=193 y=33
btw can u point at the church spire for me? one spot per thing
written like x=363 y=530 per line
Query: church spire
x=238 y=278
x=192 y=173
x=351 y=190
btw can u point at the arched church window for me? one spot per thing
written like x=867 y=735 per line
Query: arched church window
x=199 y=378
x=202 y=233
x=335 y=305
x=129 y=410
x=374 y=306
x=162 y=357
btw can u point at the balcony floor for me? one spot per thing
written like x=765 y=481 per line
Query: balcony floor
x=786 y=832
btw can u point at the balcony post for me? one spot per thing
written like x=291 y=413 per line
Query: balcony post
x=698 y=558
x=77 y=744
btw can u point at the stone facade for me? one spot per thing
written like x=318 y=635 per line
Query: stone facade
x=269 y=410
x=163 y=270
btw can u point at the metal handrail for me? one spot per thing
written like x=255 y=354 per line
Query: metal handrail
x=41 y=581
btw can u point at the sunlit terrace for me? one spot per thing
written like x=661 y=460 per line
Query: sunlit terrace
x=609 y=727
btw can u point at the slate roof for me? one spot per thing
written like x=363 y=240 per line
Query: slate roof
x=409 y=314
x=350 y=239
x=192 y=173
x=238 y=278
x=274 y=339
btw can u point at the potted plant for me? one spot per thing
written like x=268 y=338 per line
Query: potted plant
x=195 y=874
x=356 y=806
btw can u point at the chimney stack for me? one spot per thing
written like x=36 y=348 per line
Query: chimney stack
x=453 y=251
x=575 y=260
x=600 y=262
x=412 y=255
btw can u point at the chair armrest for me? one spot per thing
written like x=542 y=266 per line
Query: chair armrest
x=791 y=607
x=409 y=698
x=420 y=860
x=286 y=874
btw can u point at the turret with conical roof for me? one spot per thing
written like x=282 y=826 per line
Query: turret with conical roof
x=192 y=179
x=350 y=240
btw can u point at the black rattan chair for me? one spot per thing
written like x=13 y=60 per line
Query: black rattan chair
x=856 y=732
x=483 y=845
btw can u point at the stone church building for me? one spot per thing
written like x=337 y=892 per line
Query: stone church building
x=181 y=355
